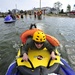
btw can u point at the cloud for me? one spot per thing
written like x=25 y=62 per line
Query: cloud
x=5 y=5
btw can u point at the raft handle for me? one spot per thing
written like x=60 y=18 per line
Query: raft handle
x=50 y=61
x=30 y=63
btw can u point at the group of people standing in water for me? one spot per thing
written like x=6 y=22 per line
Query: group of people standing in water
x=36 y=14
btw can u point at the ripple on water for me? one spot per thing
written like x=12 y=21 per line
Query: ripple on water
x=7 y=53
x=67 y=34
x=70 y=50
x=71 y=58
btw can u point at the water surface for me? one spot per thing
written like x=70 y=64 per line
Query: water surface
x=61 y=28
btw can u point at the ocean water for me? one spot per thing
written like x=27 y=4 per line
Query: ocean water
x=63 y=28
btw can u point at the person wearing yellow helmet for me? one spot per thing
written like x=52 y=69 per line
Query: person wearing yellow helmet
x=39 y=36
x=38 y=41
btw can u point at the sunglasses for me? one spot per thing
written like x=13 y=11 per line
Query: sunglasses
x=39 y=42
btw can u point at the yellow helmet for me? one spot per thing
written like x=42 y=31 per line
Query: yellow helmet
x=39 y=36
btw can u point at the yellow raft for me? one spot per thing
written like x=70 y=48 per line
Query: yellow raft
x=38 y=58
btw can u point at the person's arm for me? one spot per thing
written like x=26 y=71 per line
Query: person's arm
x=25 y=57
x=26 y=46
x=49 y=47
x=25 y=50
x=53 y=56
x=51 y=50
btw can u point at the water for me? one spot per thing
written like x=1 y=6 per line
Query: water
x=61 y=28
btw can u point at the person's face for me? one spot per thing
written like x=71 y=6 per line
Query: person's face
x=38 y=45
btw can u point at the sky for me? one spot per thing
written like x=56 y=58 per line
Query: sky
x=6 y=5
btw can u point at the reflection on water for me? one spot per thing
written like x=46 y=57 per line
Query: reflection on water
x=61 y=28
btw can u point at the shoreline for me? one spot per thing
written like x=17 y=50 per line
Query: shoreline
x=52 y=15
x=61 y=15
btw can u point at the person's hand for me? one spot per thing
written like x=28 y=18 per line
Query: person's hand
x=53 y=56
x=25 y=57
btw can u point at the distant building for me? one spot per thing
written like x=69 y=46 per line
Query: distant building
x=15 y=11
x=54 y=11
x=47 y=10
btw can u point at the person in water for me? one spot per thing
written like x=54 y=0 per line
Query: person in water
x=38 y=41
